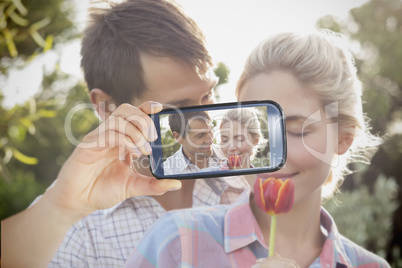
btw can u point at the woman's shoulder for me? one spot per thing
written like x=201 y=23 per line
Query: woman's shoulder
x=358 y=255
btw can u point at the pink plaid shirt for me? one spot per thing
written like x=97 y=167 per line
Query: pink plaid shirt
x=229 y=236
x=105 y=238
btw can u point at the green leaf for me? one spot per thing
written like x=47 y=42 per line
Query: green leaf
x=40 y=24
x=17 y=132
x=47 y=113
x=10 y=43
x=48 y=43
x=21 y=8
x=18 y=20
x=24 y=158
x=37 y=38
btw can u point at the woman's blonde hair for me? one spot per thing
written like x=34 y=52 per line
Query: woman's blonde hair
x=321 y=62
x=246 y=117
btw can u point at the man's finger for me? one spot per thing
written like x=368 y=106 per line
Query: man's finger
x=145 y=185
x=151 y=107
x=136 y=117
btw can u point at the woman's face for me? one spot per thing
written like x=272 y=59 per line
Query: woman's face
x=311 y=146
x=235 y=139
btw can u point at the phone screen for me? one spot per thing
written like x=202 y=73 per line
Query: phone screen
x=218 y=140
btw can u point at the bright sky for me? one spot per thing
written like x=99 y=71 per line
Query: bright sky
x=232 y=27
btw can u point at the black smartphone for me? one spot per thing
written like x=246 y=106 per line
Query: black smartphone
x=218 y=140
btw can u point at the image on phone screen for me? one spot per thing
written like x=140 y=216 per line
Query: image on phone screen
x=218 y=140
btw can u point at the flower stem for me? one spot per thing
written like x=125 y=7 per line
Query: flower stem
x=272 y=236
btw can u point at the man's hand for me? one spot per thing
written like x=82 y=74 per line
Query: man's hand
x=99 y=174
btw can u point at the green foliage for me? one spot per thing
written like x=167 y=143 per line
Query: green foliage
x=15 y=125
x=382 y=33
x=31 y=152
x=170 y=145
x=54 y=147
x=365 y=217
x=222 y=72
x=377 y=29
x=27 y=26
x=18 y=193
x=37 y=130
x=377 y=26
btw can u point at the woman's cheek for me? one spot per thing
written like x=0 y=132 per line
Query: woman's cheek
x=299 y=153
x=321 y=144
x=224 y=149
x=246 y=148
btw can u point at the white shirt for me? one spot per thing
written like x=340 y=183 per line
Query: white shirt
x=105 y=238
x=178 y=163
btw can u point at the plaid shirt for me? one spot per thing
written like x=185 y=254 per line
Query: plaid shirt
x=178 y=163
x=105 y=238
x=229 y=236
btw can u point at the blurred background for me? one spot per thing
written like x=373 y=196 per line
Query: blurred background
x=41 y=81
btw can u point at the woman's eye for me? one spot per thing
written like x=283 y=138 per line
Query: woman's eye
x=297 y=134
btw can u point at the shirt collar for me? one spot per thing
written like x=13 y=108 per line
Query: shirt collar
x=333 y=253
x=245 y=230
x=182 y=161
x=241 y=228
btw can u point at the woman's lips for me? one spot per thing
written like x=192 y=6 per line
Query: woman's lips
x=283 y=175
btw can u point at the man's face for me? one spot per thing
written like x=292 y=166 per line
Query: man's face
x=198 y=140
x=173 y=83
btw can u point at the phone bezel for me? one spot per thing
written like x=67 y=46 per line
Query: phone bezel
x=280 y=139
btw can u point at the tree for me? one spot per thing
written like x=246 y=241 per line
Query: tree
x=27 y=28
x=377 y=28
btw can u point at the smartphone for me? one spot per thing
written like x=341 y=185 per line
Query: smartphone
x=218 y=140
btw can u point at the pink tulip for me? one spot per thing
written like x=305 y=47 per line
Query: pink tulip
x=234 y=160
x=274 y=196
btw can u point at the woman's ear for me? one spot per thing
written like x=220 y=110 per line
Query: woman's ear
x=256 y=140
x=344 y=142
x=103 y=102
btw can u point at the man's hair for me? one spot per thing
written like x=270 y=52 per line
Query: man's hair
x=180 y=122
x=116 y=37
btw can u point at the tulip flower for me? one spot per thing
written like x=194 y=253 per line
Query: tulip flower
x=274 y=196
x=234 y=160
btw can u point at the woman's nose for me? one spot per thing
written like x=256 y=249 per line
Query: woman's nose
x=231 y=146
